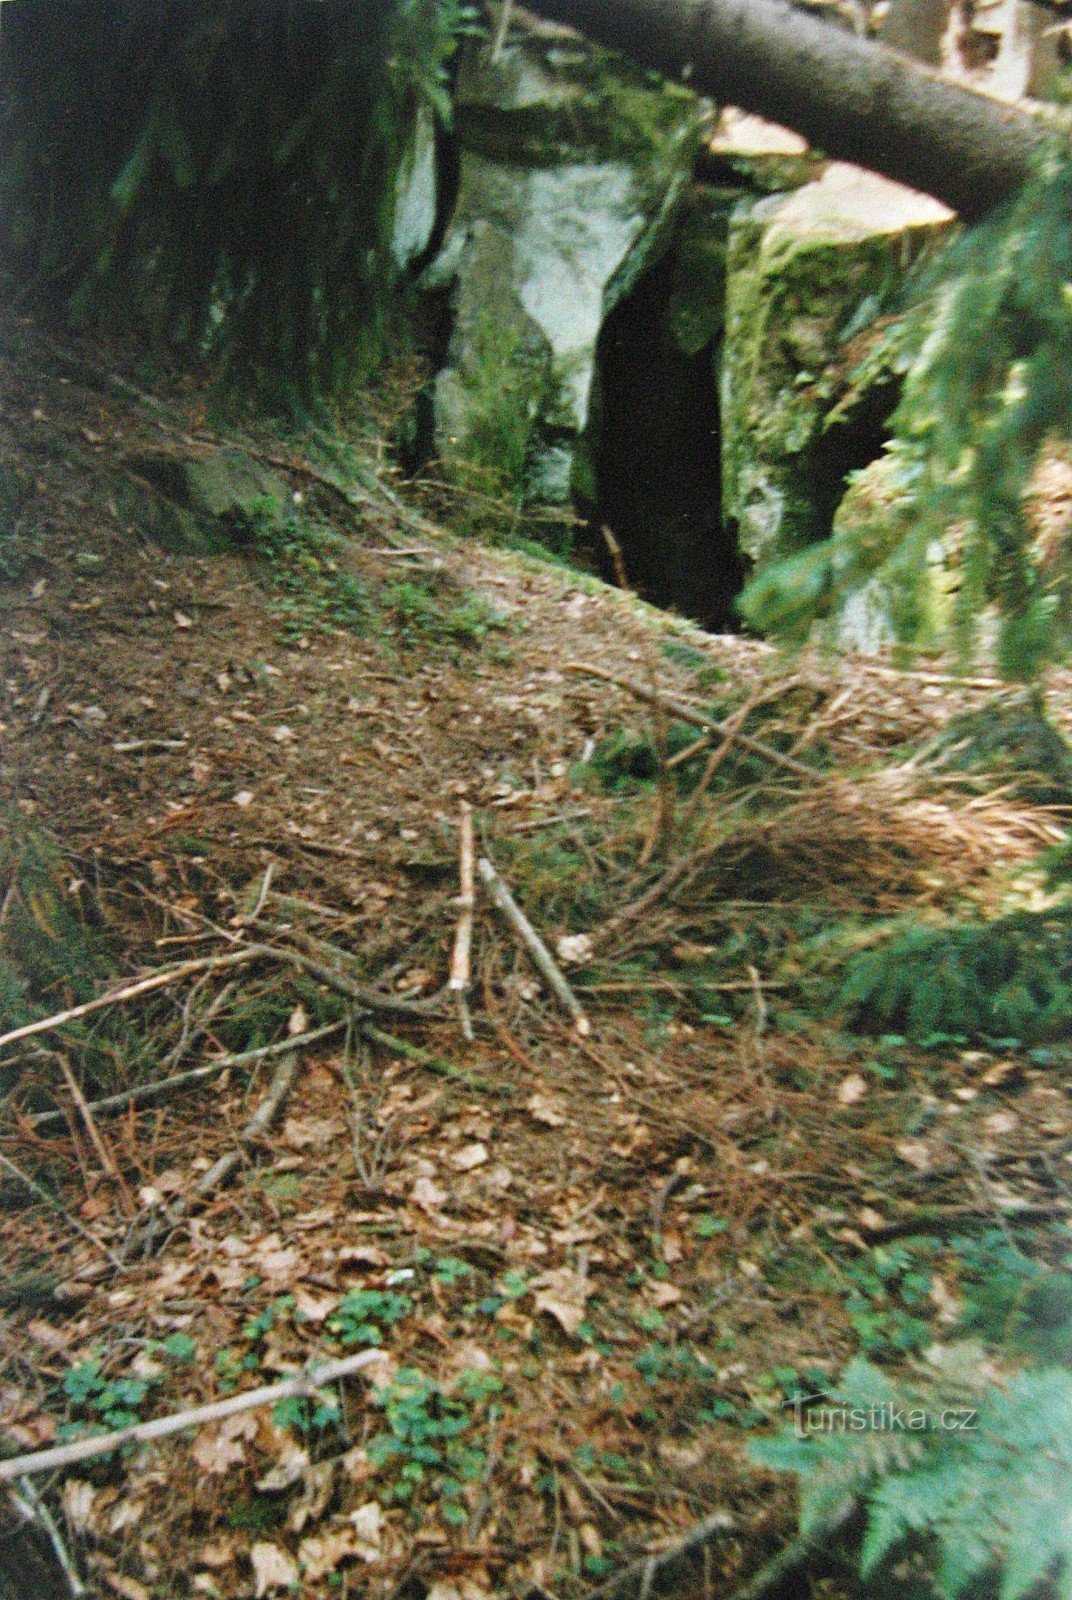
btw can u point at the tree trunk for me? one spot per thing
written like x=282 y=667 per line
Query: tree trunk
x=851 y=98
x=916 y=28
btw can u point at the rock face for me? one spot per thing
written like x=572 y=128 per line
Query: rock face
x=201 y=502
x=805 y=272
x=572 y=165
x=416 y=194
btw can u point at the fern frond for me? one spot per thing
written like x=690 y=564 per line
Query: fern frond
x=987 y=1489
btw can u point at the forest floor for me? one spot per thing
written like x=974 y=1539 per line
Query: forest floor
x=610 y=1257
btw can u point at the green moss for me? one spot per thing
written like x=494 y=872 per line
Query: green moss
x=805 y=275
x=696 y=310
x=541 y=102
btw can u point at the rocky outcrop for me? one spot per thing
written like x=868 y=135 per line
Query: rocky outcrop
x=572 y=166
x=199 y=503
x=416 y=194
x=805 y=272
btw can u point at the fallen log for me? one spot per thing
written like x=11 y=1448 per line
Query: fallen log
x=850 y=97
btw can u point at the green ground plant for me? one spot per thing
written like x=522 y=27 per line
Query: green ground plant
x=427 y=1441
x=1009 y=980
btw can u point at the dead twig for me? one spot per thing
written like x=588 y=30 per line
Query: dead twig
x=255 y=1128
x=42 y=1194
x=104 y=1155
x=148 y=1093
x=781 y=1575
x=698 y=719
x=461 y=966
x=676 y=874
x=145 y=1233
x=640 y=1578
x=131 y=991
x=533 y=945
x=304 y=1384
x=30 y=1506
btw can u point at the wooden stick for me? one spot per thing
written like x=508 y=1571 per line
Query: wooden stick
x=42 y=1193
x=533 y=945
x=370 y=998
x=30 y=1506
x=640 y=1577
x=304 y=1384
x=718 y=755
x=104 y=1155
x=147 y=1093
x=698 y=719
x=131 y=991
x=255 y=1128
x=461 y=966
x=674 y=874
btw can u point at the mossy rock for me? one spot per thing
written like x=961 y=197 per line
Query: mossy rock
x=759 y=155
x=805 y=273
x=573 y=164
x=198 y=504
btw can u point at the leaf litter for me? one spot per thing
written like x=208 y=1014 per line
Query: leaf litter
x=587 y=1259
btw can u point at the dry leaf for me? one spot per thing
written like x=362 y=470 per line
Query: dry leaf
x=870 y=1220
x=851 y=1089
x=1001 y=1123
x=313 y=1500
x=129 y=1588
x=298 y=1021
x=362 y=1255
x=916 y=1153
x=216 y=1554
x=78 y=1498
x=472 y=1155
x=1002 y=1073
x=323 y=1553
x=546 y=1111
x=273 y=1568
x=427 y=1195
x=291 y=1466
x=218 y=1450
x=273 y=1260
x=574 y=949
x=563 y=1294
x=312 y=1307
x=665 y=1294
x=127 y=1514
x=367 y=1523
x=312 y=1133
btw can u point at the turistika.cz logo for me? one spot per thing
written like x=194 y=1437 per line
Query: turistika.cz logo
x=817 y=1414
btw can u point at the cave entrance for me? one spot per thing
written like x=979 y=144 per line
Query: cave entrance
x=855 y=441
x=656 y=460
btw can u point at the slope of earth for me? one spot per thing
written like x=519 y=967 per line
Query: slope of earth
x=596 y=1259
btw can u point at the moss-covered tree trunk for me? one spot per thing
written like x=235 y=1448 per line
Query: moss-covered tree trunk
x=852 y=98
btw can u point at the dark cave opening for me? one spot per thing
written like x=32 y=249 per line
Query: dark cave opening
x=656 y=461
x=855 y=441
